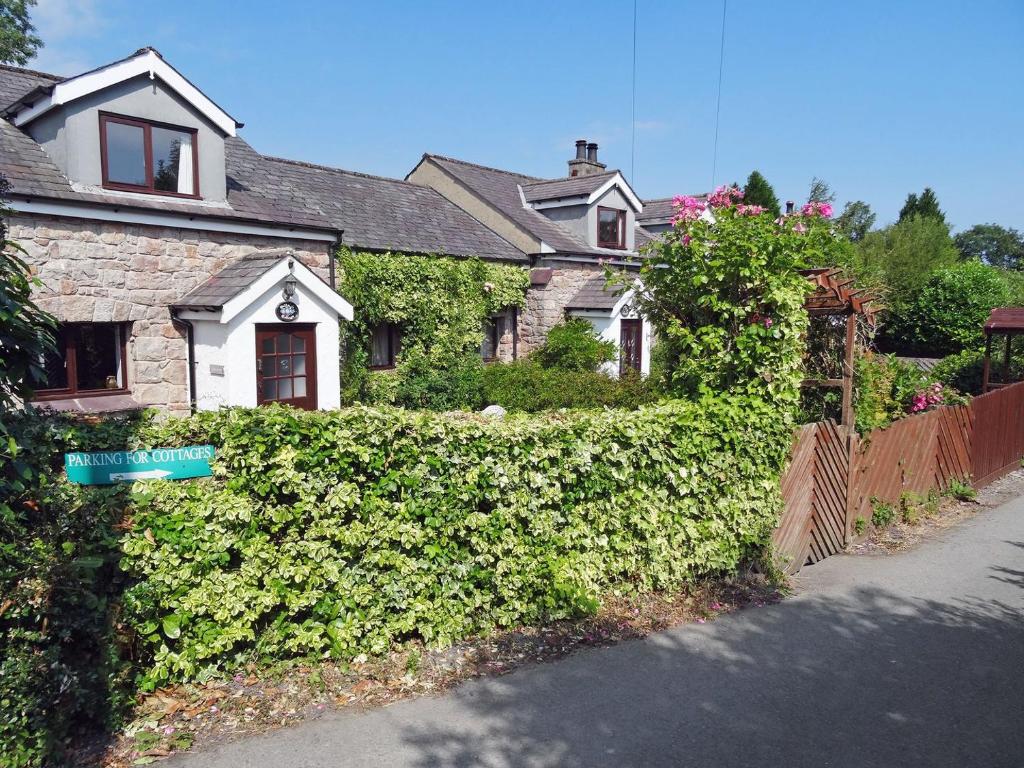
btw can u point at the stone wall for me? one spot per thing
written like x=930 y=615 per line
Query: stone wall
x=94 y=271
x=545 y=304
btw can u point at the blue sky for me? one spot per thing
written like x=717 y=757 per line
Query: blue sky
x=877 y=98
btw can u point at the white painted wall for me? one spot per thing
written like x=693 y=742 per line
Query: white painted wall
x=233 y=346
x=608 y=326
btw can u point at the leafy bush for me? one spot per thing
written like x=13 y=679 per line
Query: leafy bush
x=963 y=371
x=440 y=306
x=62 y=671
x=527 y=386
x=887 y=389
x=946 y=314
x=726 y=299
x=344 y=532
x=572 y=345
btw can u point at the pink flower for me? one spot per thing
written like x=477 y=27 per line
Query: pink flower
x=687 y=239
x=749 y=210
x=817 y=209
x=168 y=730
x=724 y=196
x=800 y=227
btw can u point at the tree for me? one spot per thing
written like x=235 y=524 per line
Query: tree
x=18 y=41
x=26 y=332
x=905 y=254
x=820 y=192
x=925 y=206
x=759 y=192
x=856 y=220
x=947 y=313
x=992 y=244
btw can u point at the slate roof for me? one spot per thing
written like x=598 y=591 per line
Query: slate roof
x=595 y=295
x=575 y=186
x=232 y=280
x=659 y=210
x=375 y=213
x=502 y=190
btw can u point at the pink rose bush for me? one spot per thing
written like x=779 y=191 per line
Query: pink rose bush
x=817 y=209
x=928 y=398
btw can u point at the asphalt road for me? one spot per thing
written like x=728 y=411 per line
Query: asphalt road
x=914 y=659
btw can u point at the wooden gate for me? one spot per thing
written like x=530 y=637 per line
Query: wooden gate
x=836 y=477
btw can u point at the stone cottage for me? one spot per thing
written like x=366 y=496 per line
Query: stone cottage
x=188 y=271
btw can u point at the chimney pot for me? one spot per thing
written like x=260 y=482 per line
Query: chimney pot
x=592 y=152
x=789 y=206
x=581 y=149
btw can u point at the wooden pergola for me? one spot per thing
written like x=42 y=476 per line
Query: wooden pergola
x=834 y=295
x=1003 y=322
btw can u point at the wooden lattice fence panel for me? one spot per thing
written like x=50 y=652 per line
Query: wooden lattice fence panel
x=792 y=539
x=832 y=466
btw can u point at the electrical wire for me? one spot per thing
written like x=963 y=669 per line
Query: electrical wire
x=718 y=106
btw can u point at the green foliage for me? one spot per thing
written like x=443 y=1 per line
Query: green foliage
x=26 y=332
x=820 y=192
x=925 y=206
x=61 y=667
x=860 y=525
x=856 y=220
x=960 y=491
x=992 y=244
x=884 y=390
x=963 y=371
x=726 y=301
x=882 y=514
x=947 y=312
x=759 y=192
x=903 y=255
x=18 y=40
x=527 y=386
x=440 y=306
x=572 y=345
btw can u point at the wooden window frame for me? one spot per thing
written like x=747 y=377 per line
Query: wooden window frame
x=620 y=244
x=311 y=398
x=624 y=366
x=493 y=327
x=394 y=347
x=68 y=340
x=147 y=142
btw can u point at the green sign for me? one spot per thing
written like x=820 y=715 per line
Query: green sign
x=109 y=467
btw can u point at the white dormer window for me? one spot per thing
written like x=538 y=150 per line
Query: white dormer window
x=144 y=156
x=611 y=228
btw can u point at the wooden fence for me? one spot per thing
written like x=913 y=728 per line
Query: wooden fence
x=836 y=477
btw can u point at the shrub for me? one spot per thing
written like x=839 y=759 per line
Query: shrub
x=963 y=371
x=527 y=386
x=725 y=297
x=887 y=388
x=960 y=490
x=882 y=514
x=344 y=532
x=946 y=314
x=572 y=345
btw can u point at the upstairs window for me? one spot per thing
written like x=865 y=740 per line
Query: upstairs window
x=385 y=345
x=611 y=228
x=142 y=156
x=89 y=359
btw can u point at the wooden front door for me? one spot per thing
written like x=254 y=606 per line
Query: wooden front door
x=630 y=345
x=286 y=365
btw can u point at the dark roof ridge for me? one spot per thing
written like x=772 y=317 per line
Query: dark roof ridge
x=572 y=178
x=322 y=167
x=486 y=167
x=36 y=72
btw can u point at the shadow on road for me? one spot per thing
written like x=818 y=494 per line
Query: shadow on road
x=869 y=679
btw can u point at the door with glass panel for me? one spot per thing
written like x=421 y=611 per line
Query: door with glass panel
x=286 y=365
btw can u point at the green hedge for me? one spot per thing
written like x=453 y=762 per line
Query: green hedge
x=343 y=532
x=527 y=386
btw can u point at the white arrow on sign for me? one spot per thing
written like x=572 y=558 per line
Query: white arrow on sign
x=149 y=474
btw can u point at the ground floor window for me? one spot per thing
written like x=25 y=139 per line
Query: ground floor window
x=494 y=329
x=89 y=359
x=630 y=345
x=385 y=344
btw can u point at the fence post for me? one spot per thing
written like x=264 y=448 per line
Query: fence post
x=851 y=337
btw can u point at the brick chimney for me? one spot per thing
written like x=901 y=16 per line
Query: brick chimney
x=585 y=161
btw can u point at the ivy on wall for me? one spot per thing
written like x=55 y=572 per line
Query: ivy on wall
x=439 y=305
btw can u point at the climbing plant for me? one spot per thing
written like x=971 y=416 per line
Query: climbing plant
x=439 y=306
